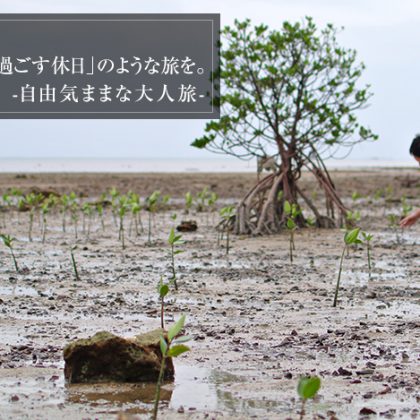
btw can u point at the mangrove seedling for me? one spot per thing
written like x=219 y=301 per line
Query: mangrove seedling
x=65 y=204
x=170 y=347
x=165 y=200
x=163 y=290
x=174 y=240
x=352 y=217
x=392 y=220
x=393 y=223
x=135 y=207
x=227 y=213
x=122 y=210
x=32 y=201
x=174 y=216
x=307 y=388
x=291 y=211
x=367 y=239
x=378 y=194
x=74 y=211
x=152 y=206
x=73 y=262
x=351 y=237
x=87 y=211
x=310 y=221
x=45 y=208
x=389 y=192
x=8 y=203
x=202 y=199
x=406 y=208
x=114 y=194
x=8 y=242
x=188 y=202
x=212 y=204
x=7 y=200
x=100 y=210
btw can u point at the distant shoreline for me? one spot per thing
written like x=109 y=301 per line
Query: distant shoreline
x=156 y=166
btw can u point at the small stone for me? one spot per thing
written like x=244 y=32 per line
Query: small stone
x=365 y=372
x=187 y=226
x=343 y=372
x=366 y=411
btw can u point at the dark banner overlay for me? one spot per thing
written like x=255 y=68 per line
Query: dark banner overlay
x=109 y=66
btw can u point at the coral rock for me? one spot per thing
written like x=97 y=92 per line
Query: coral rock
x=106 y=357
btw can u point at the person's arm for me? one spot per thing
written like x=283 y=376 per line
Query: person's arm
x=410 y=219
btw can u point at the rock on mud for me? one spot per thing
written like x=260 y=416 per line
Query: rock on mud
x=106 y=357
x=187 y=226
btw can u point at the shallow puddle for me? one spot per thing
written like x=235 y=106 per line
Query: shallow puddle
x=194 y=388
x=16 y=290
x=356 y=277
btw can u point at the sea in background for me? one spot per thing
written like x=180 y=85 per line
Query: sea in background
x=127 y=165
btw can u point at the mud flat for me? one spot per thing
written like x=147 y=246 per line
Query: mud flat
x=258 y=323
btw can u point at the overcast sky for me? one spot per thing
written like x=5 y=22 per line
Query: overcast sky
x=386 y=34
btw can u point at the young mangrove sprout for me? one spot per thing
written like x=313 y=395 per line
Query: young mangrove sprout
x=135 y=207
x=74 y=211
x=163 y=290
x=367 y=239
x=73 y=262
x=355 y=196
x=7 y=201
x=406 y=208
x=100 y=210
x=45 y=208
x=350 y=237
x=352 y=218
x=170 y=347
x=378 y=194
x=389 y=192
x=65 y=205
x=87 y=211
x=32 y=201
x=165 y=201
x=212 y=204
x=8 y=242
x=393 y=224
x=114 y=194
x=291 y=211
x=227 y=213
x=307 y=388
x=123 y=204
x=174 y=240
x=202 y=200
x=152 y=206
x=188 y=202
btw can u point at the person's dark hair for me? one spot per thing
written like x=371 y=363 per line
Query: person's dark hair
x=415 y=146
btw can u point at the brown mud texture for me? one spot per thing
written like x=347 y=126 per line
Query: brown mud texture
x=257 y=322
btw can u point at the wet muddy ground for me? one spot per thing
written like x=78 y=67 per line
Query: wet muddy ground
x=258 y=322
